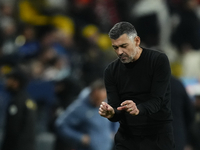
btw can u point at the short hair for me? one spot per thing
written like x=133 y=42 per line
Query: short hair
x=97 y=84
x=122 y=28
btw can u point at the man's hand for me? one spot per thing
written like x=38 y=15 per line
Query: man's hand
x=105 y=110
x=85 y=139
x=130 y=107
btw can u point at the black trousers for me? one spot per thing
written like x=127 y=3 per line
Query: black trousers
x=162 y=141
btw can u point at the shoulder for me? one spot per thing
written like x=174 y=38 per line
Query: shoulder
x=155 y=55
x=154 y=52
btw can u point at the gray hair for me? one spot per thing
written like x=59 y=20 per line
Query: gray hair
x=122 y=28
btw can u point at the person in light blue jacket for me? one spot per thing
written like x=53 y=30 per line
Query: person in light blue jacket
x=82 y=126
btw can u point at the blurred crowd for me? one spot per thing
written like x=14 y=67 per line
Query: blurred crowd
x=62 y=47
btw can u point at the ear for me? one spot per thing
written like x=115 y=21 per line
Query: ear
x=137 y=40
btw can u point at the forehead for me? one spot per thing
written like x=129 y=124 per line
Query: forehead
x=123 y=39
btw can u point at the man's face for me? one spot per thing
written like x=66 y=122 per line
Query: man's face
x=126 y=48
x=98 y=96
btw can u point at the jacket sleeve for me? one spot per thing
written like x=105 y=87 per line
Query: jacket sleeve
x=66 y=125
x=160 y=87
x=112 y=95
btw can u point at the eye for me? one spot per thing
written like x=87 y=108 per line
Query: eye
x=115 y=47
x=124 y=46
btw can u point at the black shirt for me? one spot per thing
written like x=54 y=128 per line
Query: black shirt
x=145 y=81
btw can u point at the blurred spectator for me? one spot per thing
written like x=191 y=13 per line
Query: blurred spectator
x=173 y=5
x=9 y=36
x=196 y=126
x=58 y=6
x=183 y=114
x=47 y=56
x=152 y=22
x=96 y=55
x=4 y=101
x=66 y=91
x=93 y=65
x=37 y=69
x=82 y=12
x=191 y=64
x=28 y=42
x=82 y=126
x=107 y=12
x=124 y=8
x=58 y=70
x=43 y=94
x=187 y=33
x=91 y=11
x=94 y=36
x=20 y=116
x=8 y=27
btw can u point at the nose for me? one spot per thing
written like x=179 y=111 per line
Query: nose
x=119 y=51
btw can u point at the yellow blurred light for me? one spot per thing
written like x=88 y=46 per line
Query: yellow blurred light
x=20 y=40
x=89 y=31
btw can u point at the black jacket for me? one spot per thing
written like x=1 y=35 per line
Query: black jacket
x=20 y=123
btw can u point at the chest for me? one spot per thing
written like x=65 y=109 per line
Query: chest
x=135 y=79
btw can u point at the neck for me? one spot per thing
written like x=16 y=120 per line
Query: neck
x=138 y=54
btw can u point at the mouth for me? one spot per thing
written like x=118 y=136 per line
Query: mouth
x=122 y=57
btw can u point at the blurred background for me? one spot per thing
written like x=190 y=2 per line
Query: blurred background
x=62 y=46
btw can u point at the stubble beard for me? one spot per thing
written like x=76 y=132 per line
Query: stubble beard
x=129 y=58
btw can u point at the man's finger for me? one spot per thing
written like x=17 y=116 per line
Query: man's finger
x=122 y=108
x=126 y=102
x=103 y=106
x=100 y=109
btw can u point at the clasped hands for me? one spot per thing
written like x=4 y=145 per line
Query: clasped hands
x=105 y=110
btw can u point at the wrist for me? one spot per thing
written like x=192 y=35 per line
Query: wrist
x=111 y=115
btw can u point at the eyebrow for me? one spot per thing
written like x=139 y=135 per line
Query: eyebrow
x=120 y=45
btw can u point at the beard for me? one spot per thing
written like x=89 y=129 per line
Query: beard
x=125 y=58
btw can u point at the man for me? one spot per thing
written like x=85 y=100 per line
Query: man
x=20 y=115
x=81 y=126
x=195 y=130
x=138 y=92
x=183 y=114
